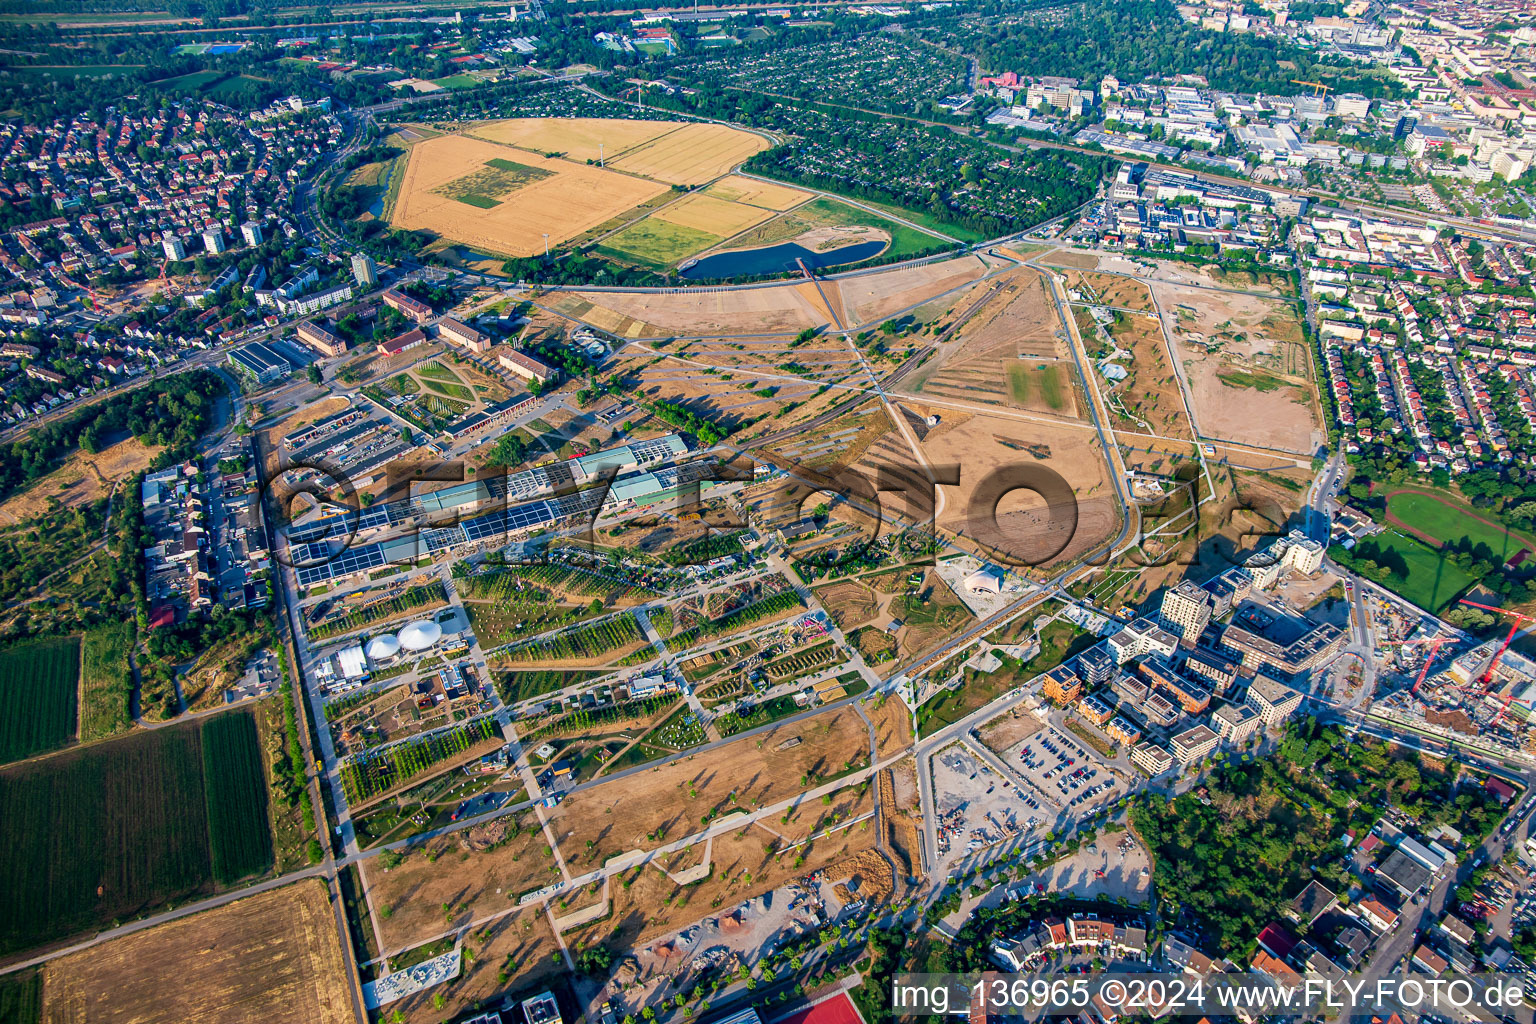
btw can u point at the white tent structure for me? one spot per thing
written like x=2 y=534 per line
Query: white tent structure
x=419 y=635
x=382 y=647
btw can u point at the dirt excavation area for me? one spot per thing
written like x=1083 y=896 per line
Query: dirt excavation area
x=652 y=808
x=698 y=313
x=1032 y=492
x=1249 y=371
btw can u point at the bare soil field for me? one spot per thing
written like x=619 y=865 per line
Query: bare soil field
x=893 y=726
x=1109 y=290
x=1028 y=528
x=1150 y=400
x=83 y=478
x=764 y=194
x=1069 y=258
x=578 y=138
x=519 y=946
x=873 y=298
x=901 y=816
x=1001 y=733
x=699 y=314
x=744 y=863
x=849 y=603
x=1249 y=370
x=273 y=958
x=571 y=197
x=691 y=155
x=445 y=870
x=650 y=808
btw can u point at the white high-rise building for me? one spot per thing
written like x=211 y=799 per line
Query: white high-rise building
x=251 y=232
x=213 y=240
x=364 y=270
x=174 y=249
x=1186 y=610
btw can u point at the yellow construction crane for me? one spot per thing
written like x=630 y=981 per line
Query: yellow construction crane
x=1322 y=90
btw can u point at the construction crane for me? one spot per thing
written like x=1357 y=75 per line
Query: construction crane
x=1434 y=644
x=1486 y=679
x=1319 y=87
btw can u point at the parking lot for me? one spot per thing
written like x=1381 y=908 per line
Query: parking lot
x=977 y=806
x=1066 y=774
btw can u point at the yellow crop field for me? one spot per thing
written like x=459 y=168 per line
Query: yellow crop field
x=577 y=137
x=716 y=216
x=736 y=189
x=532 y=195
x=692 y=155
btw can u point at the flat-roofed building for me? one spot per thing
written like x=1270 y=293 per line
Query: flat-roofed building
x=1186 y=610
x=1097 y=665
x=1151 y=758
x=1062 y=686
x=261 y=363
x=1274 y=701
x=1216 y=671
x=1158 y=671
x=1235 y=723
x=1096 y=709
x=1139 y=638
x=320 y=339
x=1122 y=730
x=1306 y=652
x=1193 y=744
x=1160 y=712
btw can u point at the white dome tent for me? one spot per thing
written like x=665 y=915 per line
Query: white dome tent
x=382 y=647
x=420 y=635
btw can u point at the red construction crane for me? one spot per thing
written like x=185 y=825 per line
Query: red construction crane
x=1434 y=643
x=1486 y=679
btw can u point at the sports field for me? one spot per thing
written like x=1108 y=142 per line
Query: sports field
x=1441 y=519
x=39 y=683
x=1419 y=573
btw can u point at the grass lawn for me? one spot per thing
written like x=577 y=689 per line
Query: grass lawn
x=1059 y=640
x=1446 y=518
x=657 y=243
x=458 y=82
x=1431 y=581
x=929 y=221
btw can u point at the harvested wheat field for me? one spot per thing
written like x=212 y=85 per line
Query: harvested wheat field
x=691 y=155
x=652 y=808
x=715 y=216
x=451 y=870
x=704 y=314
x=736 y=189
x=273 y=958
x=872 y=298
x=83 y=478
x=503 y=200
x=577 y=138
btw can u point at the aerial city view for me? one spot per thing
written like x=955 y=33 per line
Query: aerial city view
x=581 y=512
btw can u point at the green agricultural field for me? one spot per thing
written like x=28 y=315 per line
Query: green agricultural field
x=1029 y=381
x=489 y=186
x=1419 y=573
x=40 y=684
x=236 y=793
x=657 y=243
x=457 y=82
x=110 y=831
x=108 y=685
x=1244 y=380
x=1447 y=519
